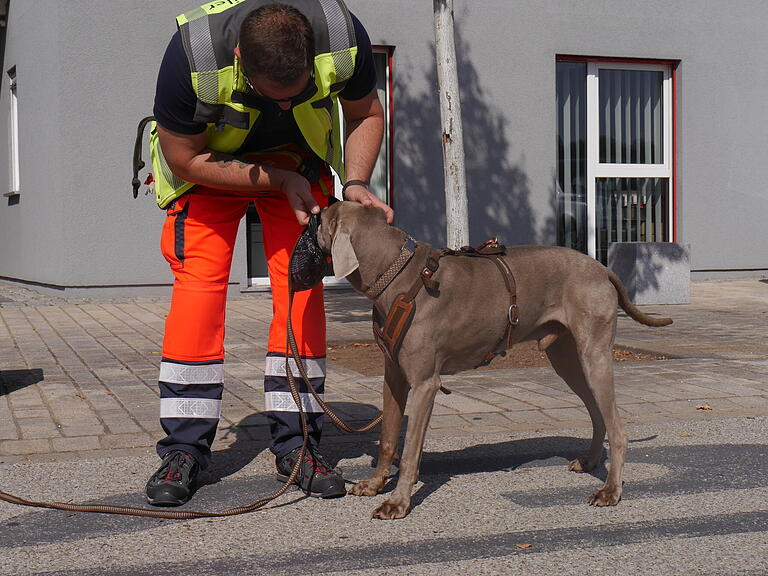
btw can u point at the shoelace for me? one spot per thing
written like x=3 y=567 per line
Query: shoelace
x=316 y=462
x=174 y=467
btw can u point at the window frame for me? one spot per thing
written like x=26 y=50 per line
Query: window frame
x=596 y=169
x=389 y=126
x=13 y=135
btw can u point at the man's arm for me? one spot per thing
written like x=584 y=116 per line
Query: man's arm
x=190 y=160
x=365 y=128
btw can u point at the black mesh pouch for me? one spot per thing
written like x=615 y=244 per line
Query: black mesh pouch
x=308 y=262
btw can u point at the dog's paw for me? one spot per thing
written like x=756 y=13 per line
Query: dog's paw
x=391 y=510
x=605 y=497
x=369 y=487
x=581 y=465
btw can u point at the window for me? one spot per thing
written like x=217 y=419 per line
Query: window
x=382 y=179
x=13 y=136
x=615 y=153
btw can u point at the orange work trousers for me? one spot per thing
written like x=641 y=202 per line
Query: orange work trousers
x=198 y=240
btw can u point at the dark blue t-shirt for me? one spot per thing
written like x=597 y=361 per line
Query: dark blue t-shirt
x=175 y=98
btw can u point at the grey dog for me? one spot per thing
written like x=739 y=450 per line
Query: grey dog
x=567 y=302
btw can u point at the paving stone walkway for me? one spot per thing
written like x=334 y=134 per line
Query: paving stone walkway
x=80 y=377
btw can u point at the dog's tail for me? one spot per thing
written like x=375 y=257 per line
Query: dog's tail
x=631 y=309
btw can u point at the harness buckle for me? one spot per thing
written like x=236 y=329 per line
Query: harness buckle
x=492 y=243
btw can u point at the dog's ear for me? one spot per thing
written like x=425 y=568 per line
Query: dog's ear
x=334 y=238
x=343 y=254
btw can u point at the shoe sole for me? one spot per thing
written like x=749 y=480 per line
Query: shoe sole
x=325 y=495
x=165 y=503
x=166 y=500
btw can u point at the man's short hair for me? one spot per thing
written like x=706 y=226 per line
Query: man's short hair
x=277 y=41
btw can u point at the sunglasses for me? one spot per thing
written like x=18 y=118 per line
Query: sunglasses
x=307 y=93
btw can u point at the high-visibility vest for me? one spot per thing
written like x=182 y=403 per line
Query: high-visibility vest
x=209 y=35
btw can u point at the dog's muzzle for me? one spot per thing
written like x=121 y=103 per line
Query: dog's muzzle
x=308 y=262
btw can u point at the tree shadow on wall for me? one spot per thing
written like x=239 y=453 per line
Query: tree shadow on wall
x=649 y=265
x=643 y=268
x=497 y=190
x=551 y=228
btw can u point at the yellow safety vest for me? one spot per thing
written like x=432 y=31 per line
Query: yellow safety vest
x=209 y=35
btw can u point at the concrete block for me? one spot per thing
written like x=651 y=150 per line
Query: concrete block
x=653 y=272
x=36 y=446
x=140 y=440
x=75 y=444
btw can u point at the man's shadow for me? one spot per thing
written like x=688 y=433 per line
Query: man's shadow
x=252 y=437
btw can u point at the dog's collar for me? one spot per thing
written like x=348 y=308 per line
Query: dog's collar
x=406 y=253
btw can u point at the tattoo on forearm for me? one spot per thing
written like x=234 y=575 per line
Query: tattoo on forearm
x=227 y=161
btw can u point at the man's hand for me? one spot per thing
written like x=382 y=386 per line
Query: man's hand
x=361 y=194
x=298 y=192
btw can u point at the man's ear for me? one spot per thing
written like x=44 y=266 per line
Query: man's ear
x=343 y=255
x=237 y=53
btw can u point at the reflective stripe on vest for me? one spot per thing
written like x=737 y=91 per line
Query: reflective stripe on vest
x=209 y=34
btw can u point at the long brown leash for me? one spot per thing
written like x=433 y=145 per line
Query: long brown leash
x=338 y=421
x=175 y=514
x=292 y=349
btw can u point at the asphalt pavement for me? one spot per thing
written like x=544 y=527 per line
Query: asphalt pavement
x=78 y=418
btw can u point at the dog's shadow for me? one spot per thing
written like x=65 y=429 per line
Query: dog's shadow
x=437 y=468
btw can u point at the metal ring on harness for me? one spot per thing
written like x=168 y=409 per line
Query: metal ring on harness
x=513 y=321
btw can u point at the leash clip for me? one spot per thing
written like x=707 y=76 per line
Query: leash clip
x=513 y=321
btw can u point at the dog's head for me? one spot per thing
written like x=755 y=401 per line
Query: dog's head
x=340 y=226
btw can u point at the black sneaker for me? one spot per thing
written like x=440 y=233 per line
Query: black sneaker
x=175 y=480
x=315 y=477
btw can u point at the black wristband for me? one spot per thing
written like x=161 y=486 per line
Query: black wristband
x=349 y=183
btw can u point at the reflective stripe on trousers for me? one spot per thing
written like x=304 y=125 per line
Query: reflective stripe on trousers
x=282 y=411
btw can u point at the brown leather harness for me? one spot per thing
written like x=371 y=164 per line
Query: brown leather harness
x=391 y=332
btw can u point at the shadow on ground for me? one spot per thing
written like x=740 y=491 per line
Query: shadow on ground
x=690 y=469
x=347 y=307
x=251 y=438
x=13 y=380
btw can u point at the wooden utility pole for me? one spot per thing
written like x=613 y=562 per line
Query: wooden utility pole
x=457 y=219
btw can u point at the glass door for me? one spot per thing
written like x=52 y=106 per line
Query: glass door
x=615 y=169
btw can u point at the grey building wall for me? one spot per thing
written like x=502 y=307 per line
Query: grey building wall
x=506 y=57
x=86 y=73
x=31 y=231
